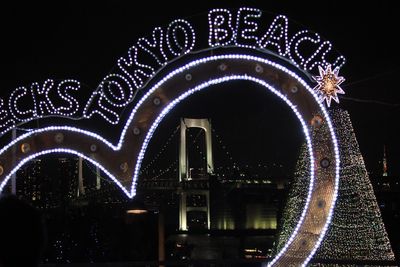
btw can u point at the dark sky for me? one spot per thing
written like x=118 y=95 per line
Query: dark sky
x=84 y=41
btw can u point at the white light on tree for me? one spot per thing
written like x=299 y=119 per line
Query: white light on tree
x=357 y=231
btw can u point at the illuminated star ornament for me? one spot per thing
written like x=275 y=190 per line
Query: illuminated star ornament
x=328 y=84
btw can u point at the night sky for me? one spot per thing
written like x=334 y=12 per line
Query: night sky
x=83 y=42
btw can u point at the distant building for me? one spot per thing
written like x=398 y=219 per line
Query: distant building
x=387 y=191
x=48 y=182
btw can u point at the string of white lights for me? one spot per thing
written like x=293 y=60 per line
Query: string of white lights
x=118 y=89
x=73 y=105
x=173 y=42
x=278 y=41
x=175 y=102
x=156 y=45
x=219 y=36
x=40 y=105
x=221 y=33
x=245 y=36
x=132 y=68
x=229 y=154
x=161 y=151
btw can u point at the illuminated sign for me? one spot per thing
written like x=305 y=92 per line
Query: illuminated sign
x=247 y=27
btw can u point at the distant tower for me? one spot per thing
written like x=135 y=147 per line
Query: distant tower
x=385 y=173
x=183 y=157
x=81 y=178
x=194 y=204
x=81 y=188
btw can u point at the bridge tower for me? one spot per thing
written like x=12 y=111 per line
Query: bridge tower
x=194 y=192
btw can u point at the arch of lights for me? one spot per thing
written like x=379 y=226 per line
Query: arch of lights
x=283 y=72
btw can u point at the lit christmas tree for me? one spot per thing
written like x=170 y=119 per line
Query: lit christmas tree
x=356 y=231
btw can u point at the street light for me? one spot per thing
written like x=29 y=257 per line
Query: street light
x=136 y=207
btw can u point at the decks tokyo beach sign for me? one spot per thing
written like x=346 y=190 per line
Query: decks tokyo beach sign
x=246 y=27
